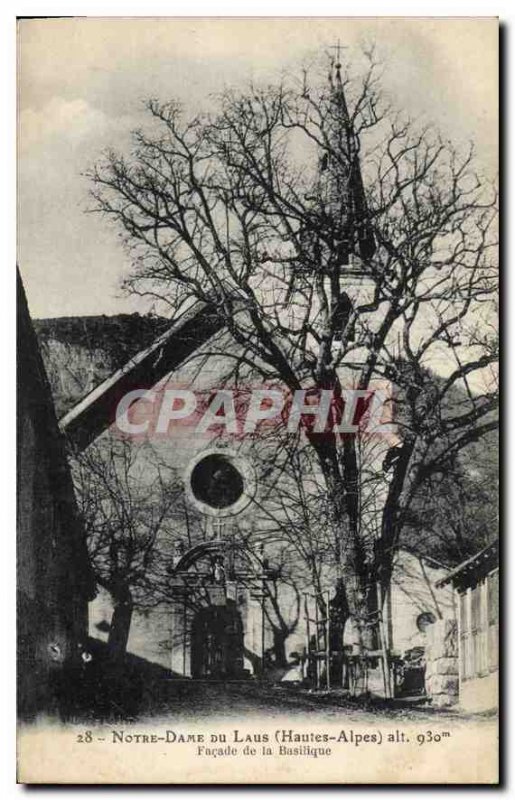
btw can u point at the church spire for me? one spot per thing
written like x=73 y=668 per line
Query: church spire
x=337 y=223
x=340 y=179
x=337 y=92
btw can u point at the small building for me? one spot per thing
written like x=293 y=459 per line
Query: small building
x=54 y=578
x=476 y=586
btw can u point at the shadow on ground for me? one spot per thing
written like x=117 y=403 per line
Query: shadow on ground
x=139 y=690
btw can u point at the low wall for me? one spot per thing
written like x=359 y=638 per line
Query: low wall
x=442 y=666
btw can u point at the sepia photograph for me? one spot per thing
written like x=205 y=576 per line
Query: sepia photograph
x=257 y=400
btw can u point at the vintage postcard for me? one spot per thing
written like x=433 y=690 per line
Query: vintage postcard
x=257 y=401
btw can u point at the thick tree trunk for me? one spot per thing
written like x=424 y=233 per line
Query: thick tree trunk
x=390 y=524
x=350 y=556
x=120 y=625
x=279 y=647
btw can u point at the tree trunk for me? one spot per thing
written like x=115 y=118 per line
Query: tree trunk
x=279 y=647
x=350 y=556
x=120 y=625
x=390 y=527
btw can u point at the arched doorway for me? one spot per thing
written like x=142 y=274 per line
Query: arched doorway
x=217 y=643
x=212 y=602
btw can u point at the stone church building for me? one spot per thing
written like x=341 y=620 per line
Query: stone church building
x=238 y=600
x=245 y=584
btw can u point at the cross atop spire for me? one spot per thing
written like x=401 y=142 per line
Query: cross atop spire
x=335 y=80
x=338 y=47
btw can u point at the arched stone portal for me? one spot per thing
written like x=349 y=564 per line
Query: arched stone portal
x=217 y=613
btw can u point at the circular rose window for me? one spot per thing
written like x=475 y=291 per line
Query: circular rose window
x=424 y=620
x=216 y=481
x=220 y=483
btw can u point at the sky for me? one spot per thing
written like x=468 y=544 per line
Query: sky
x=82 y=84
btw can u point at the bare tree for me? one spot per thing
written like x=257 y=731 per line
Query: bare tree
x=128 y=500
x=454 y=513
x=269 y=209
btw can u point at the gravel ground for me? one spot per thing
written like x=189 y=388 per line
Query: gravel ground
x=200 y=700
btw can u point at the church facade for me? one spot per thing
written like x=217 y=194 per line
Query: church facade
x=248 y=579
x=239 y=600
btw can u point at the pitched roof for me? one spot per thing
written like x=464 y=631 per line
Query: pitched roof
x=96 y=412
x=479 y=564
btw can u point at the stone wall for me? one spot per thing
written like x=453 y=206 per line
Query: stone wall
x=442 y=666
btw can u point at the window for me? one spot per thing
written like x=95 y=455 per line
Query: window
x=465 y=638
x=216 y=482
x=424 y=620
x=493 y=621
x=493 y=598
x=479 y=629
x=464 y=612
x=475 y=608
x=220 y=483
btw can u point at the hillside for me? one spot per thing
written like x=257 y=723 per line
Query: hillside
x=81 y=352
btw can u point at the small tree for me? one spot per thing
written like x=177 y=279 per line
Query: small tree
x=128 y=500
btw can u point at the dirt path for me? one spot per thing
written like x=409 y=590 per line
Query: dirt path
x=186 y=699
